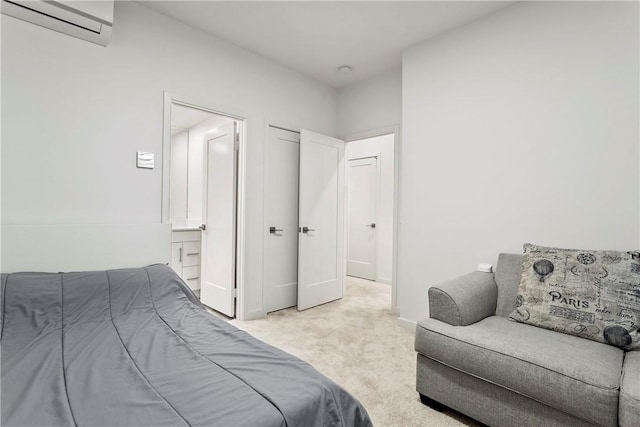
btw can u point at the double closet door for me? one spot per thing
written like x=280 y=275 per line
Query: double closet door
x=304 y=219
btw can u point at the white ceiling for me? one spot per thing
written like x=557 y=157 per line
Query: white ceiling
x=316 y=37
x=184 y=118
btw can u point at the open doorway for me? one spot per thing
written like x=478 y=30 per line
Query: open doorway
x=370 y=207
x=200 y=200
x=289 y=226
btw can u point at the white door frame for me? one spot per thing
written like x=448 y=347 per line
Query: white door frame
x=165 y=217
x=395 y=130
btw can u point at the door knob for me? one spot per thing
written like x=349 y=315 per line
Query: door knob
x=273 y=230
x=202 y=227
x=307 y=229
x=372 y=225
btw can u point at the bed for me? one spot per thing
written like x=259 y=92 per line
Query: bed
x=134 y=347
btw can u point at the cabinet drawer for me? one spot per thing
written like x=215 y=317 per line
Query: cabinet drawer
x=190 y=254
x=191 y=276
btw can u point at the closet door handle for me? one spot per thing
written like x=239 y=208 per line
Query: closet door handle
x=307 y=229
x=274 y=230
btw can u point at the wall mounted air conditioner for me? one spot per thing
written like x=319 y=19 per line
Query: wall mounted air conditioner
x=87 y=20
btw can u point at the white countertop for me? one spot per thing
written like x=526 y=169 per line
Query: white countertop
x=184 y=228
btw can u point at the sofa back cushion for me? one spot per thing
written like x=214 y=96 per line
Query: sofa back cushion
x=507 y=276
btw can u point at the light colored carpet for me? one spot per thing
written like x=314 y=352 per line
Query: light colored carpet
x=357 y=343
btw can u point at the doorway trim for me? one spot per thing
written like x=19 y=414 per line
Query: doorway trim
x=388 y=130
x=165 y=218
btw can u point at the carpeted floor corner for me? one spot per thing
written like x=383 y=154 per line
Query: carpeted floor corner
x=357 y=342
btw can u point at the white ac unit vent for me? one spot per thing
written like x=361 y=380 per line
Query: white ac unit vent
x=87 y=20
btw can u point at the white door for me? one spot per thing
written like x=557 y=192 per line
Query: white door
x=321 y=259
x=281 y=219
x=219 y=236
x=362 y=201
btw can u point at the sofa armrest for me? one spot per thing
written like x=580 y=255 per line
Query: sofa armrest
x=464 y=300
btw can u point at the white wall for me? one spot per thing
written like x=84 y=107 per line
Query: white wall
x=88 y=109
x=370 y=105
x=178 y=182
x=381 y=146
x=520 y=127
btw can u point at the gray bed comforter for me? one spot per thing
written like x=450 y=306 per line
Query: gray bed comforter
x=134 y=347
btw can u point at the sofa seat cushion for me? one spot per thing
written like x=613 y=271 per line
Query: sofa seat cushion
x=575 y=375
x=629 y=412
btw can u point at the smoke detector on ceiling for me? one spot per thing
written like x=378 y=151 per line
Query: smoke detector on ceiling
x=345 y=69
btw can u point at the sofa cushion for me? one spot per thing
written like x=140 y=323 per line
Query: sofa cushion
x=629 y=410
x=590 y=294
x=507 y=276
x=535 y=362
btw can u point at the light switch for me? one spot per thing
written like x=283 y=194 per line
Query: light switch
x=145 y=160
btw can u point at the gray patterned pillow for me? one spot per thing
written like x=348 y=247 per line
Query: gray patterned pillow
x=590 y=294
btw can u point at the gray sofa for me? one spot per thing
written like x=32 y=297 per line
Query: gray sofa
x=473 y=359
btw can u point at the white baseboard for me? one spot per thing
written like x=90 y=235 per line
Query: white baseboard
x=409 y=325
x=385 y=281
x=252 y=315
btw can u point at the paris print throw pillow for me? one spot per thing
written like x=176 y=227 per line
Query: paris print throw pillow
x=590 y=294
